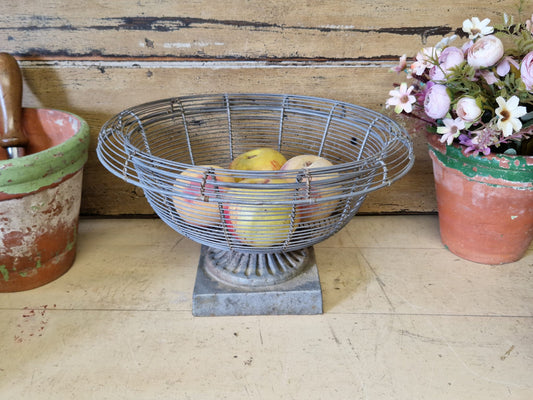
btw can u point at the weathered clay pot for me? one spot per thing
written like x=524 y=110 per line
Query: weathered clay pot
x=485 y=203
x=40 y=198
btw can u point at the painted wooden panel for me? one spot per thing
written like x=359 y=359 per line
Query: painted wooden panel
x=98 y=93
x=236 y=29
x=97 y=58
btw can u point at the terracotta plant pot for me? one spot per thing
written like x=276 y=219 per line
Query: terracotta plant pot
x=40 y=198
x=485 y=203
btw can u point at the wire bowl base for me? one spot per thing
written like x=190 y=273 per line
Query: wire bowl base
x=178 y=151
x=254 y=269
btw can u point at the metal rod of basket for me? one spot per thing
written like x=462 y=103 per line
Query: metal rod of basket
x=179 y=150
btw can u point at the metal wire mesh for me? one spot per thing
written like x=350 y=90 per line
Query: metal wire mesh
x=179 y=150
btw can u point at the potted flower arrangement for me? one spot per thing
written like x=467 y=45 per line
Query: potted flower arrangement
x=474 y=101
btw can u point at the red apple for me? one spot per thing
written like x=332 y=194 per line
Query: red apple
x=202 y=210
x=317 y=210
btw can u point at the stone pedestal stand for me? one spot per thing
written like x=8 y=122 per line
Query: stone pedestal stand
x=232 y=283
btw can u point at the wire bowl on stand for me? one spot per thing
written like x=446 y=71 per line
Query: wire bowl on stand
x=256 y=226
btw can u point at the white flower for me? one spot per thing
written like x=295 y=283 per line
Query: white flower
x=476 y=28
x=508 y=114
x=445 y=42
x=451 y=129
x=425 y=58
x=401 y=99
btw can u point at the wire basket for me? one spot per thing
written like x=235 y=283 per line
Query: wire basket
x=179 y=150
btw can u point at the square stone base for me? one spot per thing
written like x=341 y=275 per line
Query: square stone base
x=301 y=295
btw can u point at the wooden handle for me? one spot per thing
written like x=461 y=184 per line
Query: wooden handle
x=11 y=133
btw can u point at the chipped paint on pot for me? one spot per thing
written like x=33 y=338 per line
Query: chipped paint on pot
x=58 y=143
x=485 y=203
x=40 y=243
x=40 y=197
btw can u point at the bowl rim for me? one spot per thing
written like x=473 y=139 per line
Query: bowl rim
x=34 y=171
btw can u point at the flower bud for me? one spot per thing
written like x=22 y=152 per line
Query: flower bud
x=467 y=109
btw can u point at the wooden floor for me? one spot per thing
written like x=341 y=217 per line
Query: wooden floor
x=403 y=319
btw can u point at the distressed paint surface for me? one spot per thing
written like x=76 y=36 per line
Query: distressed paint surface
x=40 y=197
x=236 y=29
x=97 y=58
x=38 y=234
x=488 y=217
x=58 y=143
x=494 y=170
x=106 y=194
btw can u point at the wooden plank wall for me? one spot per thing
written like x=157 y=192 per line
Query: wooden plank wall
x=95 y=58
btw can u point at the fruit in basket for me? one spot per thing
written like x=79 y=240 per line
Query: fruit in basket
x=258 y=221
x=306 y=161
x=314 y=191
x=260 y=159
x=199 y=182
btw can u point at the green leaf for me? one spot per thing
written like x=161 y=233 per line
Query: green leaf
x=527 y=117
x=527 y=123
x=510 y=151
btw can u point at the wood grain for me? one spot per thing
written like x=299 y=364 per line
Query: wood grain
x=235 y=29
x=109 y=89
x=97 y=58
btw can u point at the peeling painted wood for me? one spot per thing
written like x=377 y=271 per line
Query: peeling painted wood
x=238 y=29
x=97 y=58
x=98 y=92
x=206 y=44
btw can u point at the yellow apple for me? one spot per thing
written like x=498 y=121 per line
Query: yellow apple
x=317 y=210
x=203 y=210
x=261 y=224
x=260 y=159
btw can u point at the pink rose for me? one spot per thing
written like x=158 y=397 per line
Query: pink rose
x=437 y=102
x=451 y=57
x=466 y=46
x=467 y=109
x=436 y=73
x=485 y=52
x=526 y=70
